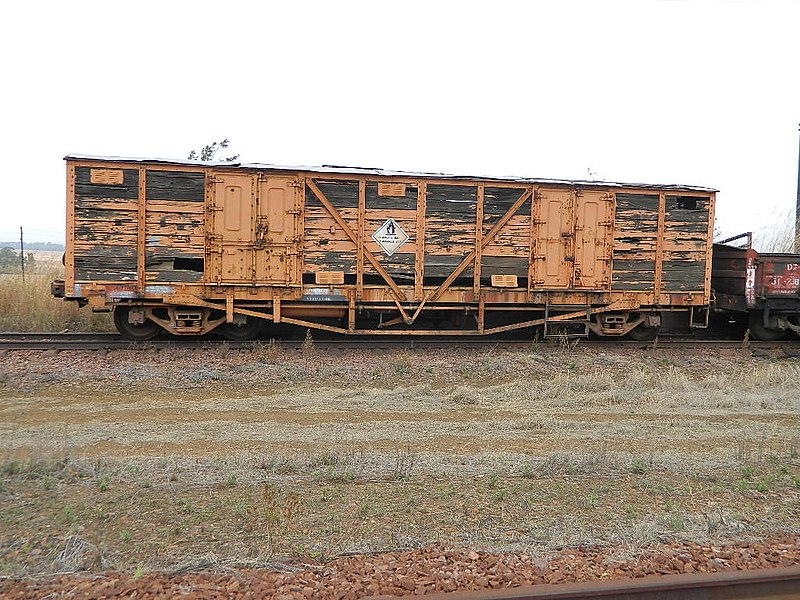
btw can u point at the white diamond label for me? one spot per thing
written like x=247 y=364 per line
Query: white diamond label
x=390 y=236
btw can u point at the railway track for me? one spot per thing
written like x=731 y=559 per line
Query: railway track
x=109 y=341
x=758 y=584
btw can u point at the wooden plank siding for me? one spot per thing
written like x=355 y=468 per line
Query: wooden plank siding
x=450 y=214
x=660 y=250
x=635 y=237
x=106 y=225
x=509 y=252
x=685 y=243
x=293 y=233
x=326 y=247
x=450 y=226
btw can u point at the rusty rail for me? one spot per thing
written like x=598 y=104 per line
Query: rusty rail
x=107 y=341
x=757 y=584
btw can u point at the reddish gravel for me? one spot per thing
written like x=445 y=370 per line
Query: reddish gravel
x=414 y=572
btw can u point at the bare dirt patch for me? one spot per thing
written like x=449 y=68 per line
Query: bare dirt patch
x=141 y=460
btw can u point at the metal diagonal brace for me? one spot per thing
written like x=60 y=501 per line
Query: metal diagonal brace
x=399 y=295
x=483 y=243
x=191 y=300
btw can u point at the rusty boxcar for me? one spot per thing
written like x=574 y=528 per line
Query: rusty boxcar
x=188 y=248
x=763 y=286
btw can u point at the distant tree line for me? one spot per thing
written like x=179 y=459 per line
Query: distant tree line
x=34 y=245
x=10 y=261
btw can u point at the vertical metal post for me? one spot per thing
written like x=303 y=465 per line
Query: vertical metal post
x=141 y=228
x=797 y=205
x=478 y=239
x=22 y=253
x=360 y=241
x=419 y=251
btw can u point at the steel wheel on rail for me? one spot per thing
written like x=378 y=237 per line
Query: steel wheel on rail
x=134 y=331
x=643 y=333
x=761 y=333
x=242 y=331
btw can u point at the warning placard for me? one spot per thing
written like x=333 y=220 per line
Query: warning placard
x=390 y=236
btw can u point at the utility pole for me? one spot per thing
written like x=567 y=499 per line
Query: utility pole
x=22 y=253
x=797 y=206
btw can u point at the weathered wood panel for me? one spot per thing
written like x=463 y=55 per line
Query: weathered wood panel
x=503 y=265
x=635 y=241
x=512 y=239
x=185 y=186
x=105 y=239
x=326 y=247
x=84 y=188
x=685 y=243
x=342 y=194
x=174 y=226
x=403 y=260
x=497 y=202
x=174 y=276
x=105 y=263
x=450 y=228
x=374 y=201
x=509 y=252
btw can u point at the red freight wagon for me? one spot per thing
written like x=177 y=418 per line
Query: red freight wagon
x=764 y=285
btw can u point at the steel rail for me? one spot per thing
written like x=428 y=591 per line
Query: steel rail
x=756 y=584
x=108 y=341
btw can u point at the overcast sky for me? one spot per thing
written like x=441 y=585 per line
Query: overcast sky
x=704 y=93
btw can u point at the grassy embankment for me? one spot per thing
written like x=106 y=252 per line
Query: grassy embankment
x=28 y=306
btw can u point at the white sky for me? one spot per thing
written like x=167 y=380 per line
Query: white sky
x=704 y=93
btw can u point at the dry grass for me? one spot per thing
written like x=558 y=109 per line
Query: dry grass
x=70 y=516
x=780 y=236
x=313 y=454
x=28 y=305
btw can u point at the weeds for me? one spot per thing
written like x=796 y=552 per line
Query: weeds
x=403 y=464
x=308 y=351
x=332 y=475
x=266 y=351
x=29 y=306
x=638 y=467
x=69 y=514
x=279 y=465
x=276 y=514
x=402 y=363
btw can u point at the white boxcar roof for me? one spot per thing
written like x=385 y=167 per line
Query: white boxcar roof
x=377 y=172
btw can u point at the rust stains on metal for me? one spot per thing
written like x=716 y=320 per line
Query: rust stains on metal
x=757 y=584
x=472 y=246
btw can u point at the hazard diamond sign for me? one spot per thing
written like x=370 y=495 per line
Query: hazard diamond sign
x=390 y=236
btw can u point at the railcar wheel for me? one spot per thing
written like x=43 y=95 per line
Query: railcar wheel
x=643 y=333
x=241 y=332
x=134 y=331
x=761 y=333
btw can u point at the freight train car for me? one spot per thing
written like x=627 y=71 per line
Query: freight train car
x=189 y=248
x=762 y=287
